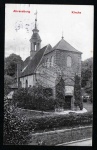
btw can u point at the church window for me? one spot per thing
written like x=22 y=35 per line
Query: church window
x=52 y=61
x=26 y=84
x=47 y=62
x=35 y=47
x=68 y=61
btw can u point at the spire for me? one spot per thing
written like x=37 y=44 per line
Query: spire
x=35 y=41
x=62 y=35
x=35 y=20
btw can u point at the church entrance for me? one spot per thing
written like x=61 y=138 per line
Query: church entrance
x=67 y=102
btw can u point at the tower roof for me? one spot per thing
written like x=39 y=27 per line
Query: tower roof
x=63 y=45
x=35 y=36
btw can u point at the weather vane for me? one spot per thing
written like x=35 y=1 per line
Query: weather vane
x=36 y=15
x=62 y=35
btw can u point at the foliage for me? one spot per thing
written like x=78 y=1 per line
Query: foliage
x=81 y=103
x=13 y=127
x=17 y=129
x=34 y=98
x=89 y=88
x=10 y=67
x=87 y=70
x=22 y=98
x=87 y=77
x=58 y=121
x=77 y=92
x=7 y=81
x=60 y=94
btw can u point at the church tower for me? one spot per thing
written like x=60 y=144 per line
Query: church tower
x=35 y=41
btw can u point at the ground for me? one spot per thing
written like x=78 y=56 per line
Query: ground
x=79 y=143
x=88 y=105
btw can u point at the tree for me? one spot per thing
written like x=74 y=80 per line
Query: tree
x=7 y=81
x=89 y=88
x=34 y=98
x=87 y=77
x=60 y=94
x=77 y=92
x=86 y=72
x=10 y=67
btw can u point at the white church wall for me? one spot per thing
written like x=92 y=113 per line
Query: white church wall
x=30 y=79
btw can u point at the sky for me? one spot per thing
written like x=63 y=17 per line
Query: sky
x=52 y=21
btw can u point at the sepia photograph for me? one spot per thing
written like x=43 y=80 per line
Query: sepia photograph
x=48 y=75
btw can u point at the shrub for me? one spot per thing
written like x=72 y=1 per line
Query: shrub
x=60 y=94
x=13 y=127
x=50 y=122
x=35 y=98
x=22 y=98
x=81 y=104
x=17 y=130
x=77 y=92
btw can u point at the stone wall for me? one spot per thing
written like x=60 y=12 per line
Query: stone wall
x=60 y=58
x=61 y=61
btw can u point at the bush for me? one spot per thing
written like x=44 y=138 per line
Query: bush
x=35 y=98
x=17 y=130
x=77 y=92
x=81 y=106
x=81 y=103
x=22 y=98
x=50 y=122
x=60 y=94
x=13 y=128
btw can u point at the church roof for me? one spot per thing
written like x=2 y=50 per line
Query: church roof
x=33 y=63
x=49 y=49
x=26 y=61
x=63 y=45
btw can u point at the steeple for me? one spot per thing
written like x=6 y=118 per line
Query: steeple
x=35 y=40
x=36 y=20
x=62 y=35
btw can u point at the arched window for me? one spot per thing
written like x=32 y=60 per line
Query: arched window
x=26 y=84
x=47 y=62
x=69 y=61
x=52 y=61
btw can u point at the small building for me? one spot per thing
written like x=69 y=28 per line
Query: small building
x=62 y=54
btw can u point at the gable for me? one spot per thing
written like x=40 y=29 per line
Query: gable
x=33 y=63
x=63 y=45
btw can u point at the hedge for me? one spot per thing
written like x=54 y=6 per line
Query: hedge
x=50 y=122
x=13 y=127
x=34 y=98
x=17 y=130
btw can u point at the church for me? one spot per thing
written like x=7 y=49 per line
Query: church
x=62 y=54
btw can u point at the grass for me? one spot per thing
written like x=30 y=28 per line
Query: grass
x=30 y=114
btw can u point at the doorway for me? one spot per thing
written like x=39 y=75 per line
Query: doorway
x=67 y=102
